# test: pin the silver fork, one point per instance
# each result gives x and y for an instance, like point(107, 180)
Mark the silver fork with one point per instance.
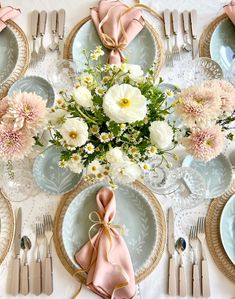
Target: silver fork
point(167, 26)
point(34, 27)
point(48, 226)
point(205, 275)
point(42, 27)
point(175, 21)
point(193, 241)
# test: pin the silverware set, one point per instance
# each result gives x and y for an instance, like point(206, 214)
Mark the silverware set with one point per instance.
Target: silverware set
point(40, 277)
point(172, 32)
point(200, 276)
point(38, 29)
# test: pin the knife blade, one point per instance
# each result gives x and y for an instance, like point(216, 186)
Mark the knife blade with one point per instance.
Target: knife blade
point(15, 277)
point(171, 249)
point(193, 17)
point(61, 23)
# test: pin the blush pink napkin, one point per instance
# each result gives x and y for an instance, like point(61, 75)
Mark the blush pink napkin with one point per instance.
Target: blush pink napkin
point(111, 12)
point(103, 275)
point(7, 13)
point(229, 9)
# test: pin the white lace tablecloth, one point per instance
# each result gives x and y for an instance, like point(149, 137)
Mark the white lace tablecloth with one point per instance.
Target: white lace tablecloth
point(40, 203)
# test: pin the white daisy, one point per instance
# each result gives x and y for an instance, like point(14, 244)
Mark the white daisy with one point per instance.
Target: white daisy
point(94, 56)
point(76, 157)
point(99, 91)
point(104, 137)
point(62, 163)
point(94, 129)
point(100, 176)
point(145, 166)
point(86, 79)
point(169, 93)
point(99, 51)
point(94, 167)
point(152, 151)
point(89, 148)
point(74, 132)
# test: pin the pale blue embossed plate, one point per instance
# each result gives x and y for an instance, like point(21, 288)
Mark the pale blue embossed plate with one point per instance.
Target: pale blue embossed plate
point(35, 84)
point(8, 53)
point(135, 213)
point(222, 45)
point(52, 178)
point(141, 50)
point(217, 174)
point(227, 228)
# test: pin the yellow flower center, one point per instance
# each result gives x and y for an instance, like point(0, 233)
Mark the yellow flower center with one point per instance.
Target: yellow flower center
point(209, 142)
point(199, 101)
point(76, 158)
point(73, 134)
point(125, 103)
point(27, 109)
point(145, 166)
point(90, 148)
point(94, 168)
point(169, 93)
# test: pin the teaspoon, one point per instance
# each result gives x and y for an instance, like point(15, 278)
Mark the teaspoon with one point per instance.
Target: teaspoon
point(180, 246)
point(24, 273)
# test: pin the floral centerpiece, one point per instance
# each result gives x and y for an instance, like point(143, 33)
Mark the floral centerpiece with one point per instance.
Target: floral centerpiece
point(112, 122)
point(207, 112)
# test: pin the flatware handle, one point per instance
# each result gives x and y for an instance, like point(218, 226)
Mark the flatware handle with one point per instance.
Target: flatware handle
point(24, 280)
point(196, 282)
point(175, 20)
point(205, 280)
point(37, 278)
point(54, 21)
point(34, 24)
point(182, 282)
point(48, 276)
point(172, 278)
point(61, 18)
point(167, 22)
point(15, 277)
point(42, 22)
point(194, 22)
point(186, 21)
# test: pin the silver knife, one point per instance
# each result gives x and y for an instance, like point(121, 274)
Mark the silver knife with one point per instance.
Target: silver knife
point(171, 249)
point(61, 23)
point(193, 16)
point(15, 277)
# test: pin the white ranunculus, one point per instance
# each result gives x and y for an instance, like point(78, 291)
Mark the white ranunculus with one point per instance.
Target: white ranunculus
point(74, 132)
point(161, 134)
point(125, 172)
point(83, 97)
point(114, 155)
point(124, 104)
point(75, 166)
point(57, 117)
point(135, 72)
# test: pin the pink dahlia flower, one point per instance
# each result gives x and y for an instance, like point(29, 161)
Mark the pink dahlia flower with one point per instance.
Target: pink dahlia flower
point(14, 145)
point(226, 92)
point(27, 110)
point(205, 144)
point(3, 107)
point(197, 105)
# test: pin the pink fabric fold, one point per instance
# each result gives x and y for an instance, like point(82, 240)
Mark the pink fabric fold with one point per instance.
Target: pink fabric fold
point(7, 13)
point(229, 9)
point(105, 264)
point(108, 18)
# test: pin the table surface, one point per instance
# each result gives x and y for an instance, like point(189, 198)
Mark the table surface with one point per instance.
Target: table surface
point(154, 286)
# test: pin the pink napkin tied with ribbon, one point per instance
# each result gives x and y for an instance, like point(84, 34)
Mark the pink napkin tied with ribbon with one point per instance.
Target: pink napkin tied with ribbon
point(7, 13)
point(105, 257)
point(229, 9)
point(117, 25)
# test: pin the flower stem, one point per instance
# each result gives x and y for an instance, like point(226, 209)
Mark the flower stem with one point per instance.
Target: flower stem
point(86, 117)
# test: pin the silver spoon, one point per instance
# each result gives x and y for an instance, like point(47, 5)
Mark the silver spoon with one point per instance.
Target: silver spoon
point(180, 246)
point(187, 45)
point(24, 272)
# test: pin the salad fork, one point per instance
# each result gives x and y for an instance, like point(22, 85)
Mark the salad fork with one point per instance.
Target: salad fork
point(205, 276)
point(34, 25)
point(48, 226)
point(193, 241)
point(42, 27)
point(167, 22)
point(175, 48)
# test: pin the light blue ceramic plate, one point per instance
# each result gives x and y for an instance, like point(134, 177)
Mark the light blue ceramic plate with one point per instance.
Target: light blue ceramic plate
point(222, 45)
point(227, 228)
point(34, 84)
point(52, 178)
point(8, 53)
point(217, 174)
point(140, 51)
point(134, 212)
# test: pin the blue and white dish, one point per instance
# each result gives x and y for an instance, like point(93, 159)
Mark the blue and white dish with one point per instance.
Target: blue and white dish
point(34, 84)
point(222, 44)
point(52, 178)
point(217, 174)
point(227, 228)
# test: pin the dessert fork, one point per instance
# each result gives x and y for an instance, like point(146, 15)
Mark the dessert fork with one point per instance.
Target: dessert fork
point(205, 277)
point(34, 54)
point(48, 226)
point(193, 241)
point(167, 26)
point(175, 48)
point(42, 27)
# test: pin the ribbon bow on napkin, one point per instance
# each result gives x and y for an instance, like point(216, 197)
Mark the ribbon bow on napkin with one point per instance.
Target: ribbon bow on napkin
point(229, 9)
point(7, 13)
point(105, 257)
point(117, 26)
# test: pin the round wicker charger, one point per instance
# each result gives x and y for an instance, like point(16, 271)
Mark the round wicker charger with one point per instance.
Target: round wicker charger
point(159, 56)
point(205, 39)
point(213, 234)
point(160, 223)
